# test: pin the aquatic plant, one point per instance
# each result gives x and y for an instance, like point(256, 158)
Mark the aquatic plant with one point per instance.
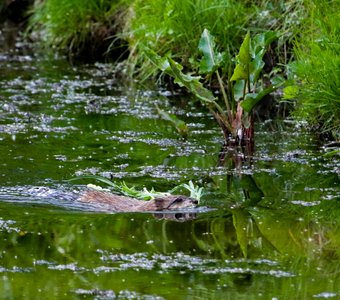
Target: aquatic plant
point(242, 91)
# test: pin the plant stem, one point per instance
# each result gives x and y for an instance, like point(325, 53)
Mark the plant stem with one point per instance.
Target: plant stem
point(225, 97)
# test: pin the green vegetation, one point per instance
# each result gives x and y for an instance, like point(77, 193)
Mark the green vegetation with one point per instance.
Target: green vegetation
point(121, 188)
point(175, 27)
point(83, 28)
point(317, 69)
point(307, 34)
point(240, 98)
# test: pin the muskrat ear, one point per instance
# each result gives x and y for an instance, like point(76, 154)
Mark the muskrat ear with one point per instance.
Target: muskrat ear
point(178, 199)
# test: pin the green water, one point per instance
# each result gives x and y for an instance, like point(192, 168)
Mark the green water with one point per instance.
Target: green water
point(274, 233)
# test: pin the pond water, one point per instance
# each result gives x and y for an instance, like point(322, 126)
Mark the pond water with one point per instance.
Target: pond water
point(274, 232)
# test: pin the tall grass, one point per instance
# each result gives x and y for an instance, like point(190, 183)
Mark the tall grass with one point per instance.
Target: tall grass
point(77, 26)
point(317, 68)
point(175, 27)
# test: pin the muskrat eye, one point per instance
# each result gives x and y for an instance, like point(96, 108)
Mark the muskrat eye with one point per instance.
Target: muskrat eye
point(195, 201)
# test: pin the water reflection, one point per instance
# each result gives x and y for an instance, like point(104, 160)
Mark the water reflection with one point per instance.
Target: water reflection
point(219, 251)
point(274, 232)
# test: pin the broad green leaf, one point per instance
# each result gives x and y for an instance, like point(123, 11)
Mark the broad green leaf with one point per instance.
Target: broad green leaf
point(192, 83)
point(258, 48)
point(239, 90)
point(211, 59)
point(251, 99)
point(244, 54)
point(257, 66)
point(174, 69)
point(261, 41)
point(241, 70)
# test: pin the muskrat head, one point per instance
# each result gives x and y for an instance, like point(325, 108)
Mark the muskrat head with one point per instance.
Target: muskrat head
point(174, 202)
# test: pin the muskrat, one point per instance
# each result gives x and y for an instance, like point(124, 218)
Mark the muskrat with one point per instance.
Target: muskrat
point(114, 202)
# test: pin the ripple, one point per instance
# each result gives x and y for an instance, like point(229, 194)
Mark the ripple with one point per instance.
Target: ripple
point(187, 263)
point(110, 294)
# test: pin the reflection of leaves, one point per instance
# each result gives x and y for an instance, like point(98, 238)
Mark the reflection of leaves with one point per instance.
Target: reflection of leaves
point(253, 194)
point(180, 125)
point(242, 223)
point(248, 232)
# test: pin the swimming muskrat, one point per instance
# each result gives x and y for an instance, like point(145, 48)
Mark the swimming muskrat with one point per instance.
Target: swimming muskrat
point(117, 203)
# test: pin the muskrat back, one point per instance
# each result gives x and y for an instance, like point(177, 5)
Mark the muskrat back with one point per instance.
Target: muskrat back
point(122, 203)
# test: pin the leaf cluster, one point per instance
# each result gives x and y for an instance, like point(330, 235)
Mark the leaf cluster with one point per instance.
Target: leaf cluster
point(241, 92)
point(122, 188)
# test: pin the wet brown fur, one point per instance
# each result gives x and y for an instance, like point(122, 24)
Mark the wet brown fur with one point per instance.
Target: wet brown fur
point(114, 202)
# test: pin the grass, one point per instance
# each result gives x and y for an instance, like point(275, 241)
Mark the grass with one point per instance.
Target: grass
point(174, 28)
point(317, 69)
point(75, 26)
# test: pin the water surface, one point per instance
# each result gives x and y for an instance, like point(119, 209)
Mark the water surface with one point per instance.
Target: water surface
point(273, 235)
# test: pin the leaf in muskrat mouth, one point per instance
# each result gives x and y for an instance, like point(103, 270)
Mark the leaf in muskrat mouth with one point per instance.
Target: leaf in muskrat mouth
point(121, 188)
